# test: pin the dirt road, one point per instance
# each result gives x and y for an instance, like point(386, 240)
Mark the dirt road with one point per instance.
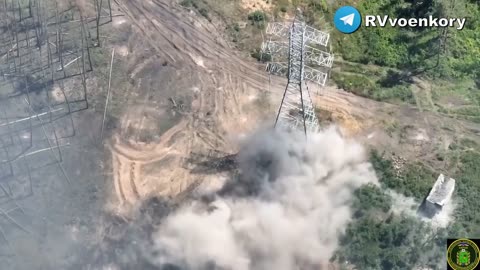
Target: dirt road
point(221, 89)
point(222, 94)
point(179, 93)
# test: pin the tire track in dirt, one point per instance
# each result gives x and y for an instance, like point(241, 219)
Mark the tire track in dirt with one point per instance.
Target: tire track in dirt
point(225, 84)
point(184, 38)
point(222, 78)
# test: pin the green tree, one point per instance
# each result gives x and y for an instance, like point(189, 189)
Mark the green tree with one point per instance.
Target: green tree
point(371, 198)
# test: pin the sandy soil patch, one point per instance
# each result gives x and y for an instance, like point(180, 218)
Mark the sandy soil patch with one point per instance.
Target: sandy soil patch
point(257, 5)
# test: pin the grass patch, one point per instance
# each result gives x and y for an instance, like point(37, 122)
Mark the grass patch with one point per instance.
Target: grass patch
point(404, 242)
point(468, 193)
point(414, 180)
point(356, 83)
point(378, 239)
point(365, 86)
point(389, 244)
point(370, 199)
point(260, 56)
point(464, 157)
point(372, 71)
point(189, 3)
point(396, 93)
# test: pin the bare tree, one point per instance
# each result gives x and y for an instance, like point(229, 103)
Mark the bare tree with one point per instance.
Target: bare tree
point(84, 79)
point(59, 40)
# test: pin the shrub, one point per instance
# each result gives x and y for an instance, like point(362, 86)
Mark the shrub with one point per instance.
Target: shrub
point(357, 84)
point(260, 56)
point(204, 13)
point(415, 179)
point(371, 198)
point(399, 92)
point(257, 16)
point(236, 27)
point(188, 3)
point(384, 245)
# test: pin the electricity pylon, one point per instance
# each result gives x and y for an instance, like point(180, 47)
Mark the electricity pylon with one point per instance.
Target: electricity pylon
point(298, 52)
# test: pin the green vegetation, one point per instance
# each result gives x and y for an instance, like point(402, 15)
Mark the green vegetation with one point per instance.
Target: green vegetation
point(189, 3)
point(414, 180)
point(364, 86)
point(433, 53)
point(386, 64)
point(355, 83)
point(380, 63)
point(204, 13)
point(258, 18)
point(379, 239)
point(464, 159)
point(468, 193)
point(198, 5)
point(262, 57)
point(370, 199)
point(446, 53)
point(395, 243)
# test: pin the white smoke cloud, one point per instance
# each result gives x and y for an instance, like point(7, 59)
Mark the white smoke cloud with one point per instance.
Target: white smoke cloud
point(409, 206)
point(287, 209)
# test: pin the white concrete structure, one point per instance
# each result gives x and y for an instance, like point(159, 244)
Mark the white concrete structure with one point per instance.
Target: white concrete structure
point(440, 194)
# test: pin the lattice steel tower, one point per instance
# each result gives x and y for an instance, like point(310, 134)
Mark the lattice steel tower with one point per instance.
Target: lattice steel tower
point(299, 52)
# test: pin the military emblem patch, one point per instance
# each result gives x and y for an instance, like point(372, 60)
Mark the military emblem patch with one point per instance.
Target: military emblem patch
point(463, 254)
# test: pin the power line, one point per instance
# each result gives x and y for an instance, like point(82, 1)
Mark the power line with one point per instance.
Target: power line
point(298, 52)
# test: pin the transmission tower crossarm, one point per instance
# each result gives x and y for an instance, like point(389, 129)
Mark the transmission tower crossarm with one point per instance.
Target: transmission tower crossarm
point(292, 59)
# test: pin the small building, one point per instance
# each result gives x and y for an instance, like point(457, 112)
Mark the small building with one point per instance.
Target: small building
point(440, 195)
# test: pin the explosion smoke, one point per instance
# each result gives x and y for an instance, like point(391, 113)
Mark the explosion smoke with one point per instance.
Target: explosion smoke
point(285, 212)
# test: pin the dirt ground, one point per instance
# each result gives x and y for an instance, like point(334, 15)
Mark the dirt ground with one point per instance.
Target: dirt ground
point(214, 92)
point(401, 130)
point(224, 96)
point(180, 96)
point(253, 5)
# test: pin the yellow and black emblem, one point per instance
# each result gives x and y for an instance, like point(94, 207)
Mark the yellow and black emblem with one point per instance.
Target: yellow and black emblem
point(463, 254)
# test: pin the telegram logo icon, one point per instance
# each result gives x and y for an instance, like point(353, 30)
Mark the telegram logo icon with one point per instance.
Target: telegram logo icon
point(347, 19)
